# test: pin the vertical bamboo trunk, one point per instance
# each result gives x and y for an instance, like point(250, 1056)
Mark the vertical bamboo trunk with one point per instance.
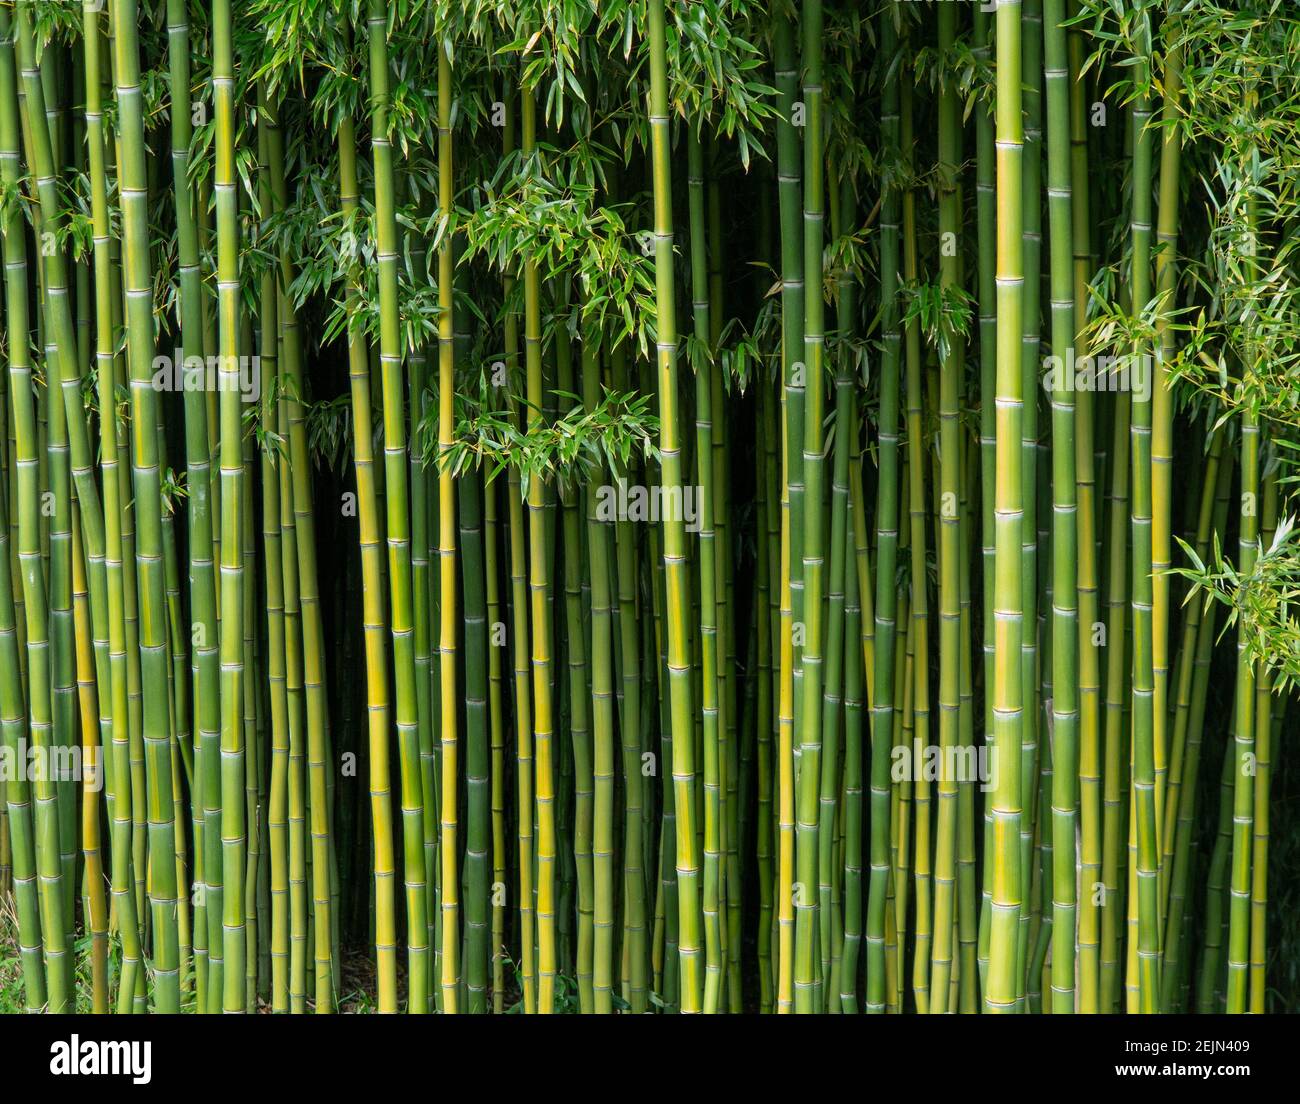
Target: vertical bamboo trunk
point(27, 823)
point(1008, 897)
point(398, 517)
point(793, 374)
point(1162, 431)
point(539, 607)
point(46, 965)
point(448, 610)
point(951, 371)
point(1064, 732)
point(808, 982)
point(133, 189)
point(886, 598)
point(1086, 518)
point(1243, 751)
point(708, 618)
point(674, 536)
point(373, 615)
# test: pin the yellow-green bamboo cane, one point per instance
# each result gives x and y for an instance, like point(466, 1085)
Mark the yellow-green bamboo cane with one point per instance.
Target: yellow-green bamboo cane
point(51, 982)
point(373, 614)
point(133, 189)
point(447, 606)
point(1065, 612)
point(398, 520)
point(539, 606)
point(674, 546)
point(1008, 896)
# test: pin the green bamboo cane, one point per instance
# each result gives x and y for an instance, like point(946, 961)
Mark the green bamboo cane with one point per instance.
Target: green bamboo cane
point(708, 624)
point(1086, 516)
point(1144, 740)
point(18, 790)
point(735, 759)
point(1031, 230)
point(580, 708)
point(793, 317)
point(47, 144)
point(496, 722)
point(1008, 898)
point(276, 664)
point(6, 845)
point(277, 812)
point(122, 547)
point(866, 575)
point(58, 966)
point(920, 606)
point(178, 649)
point(808, 980)
point(667, 961)
point(95, 906)
point(967, 999)
point(373, 612)
point(1243, 746)
point(254, 737)
point(1209, 991)
point(233, 827)
point(901, 833)
point(398, 520)
point(203, 634)
point(840, 650)
point(674, 546)
point(886, 597)
point(1162, 425)
point(120, 776)
point(477, 839)
point(56, 502)
point(1114, 702)
point(15, 575)
point(539, 606)
point(1200, 506)
point(1119, 824)
point(424, 599)
point(299, 921)
point(629, 672)
point(635, 791)
point(95, 559)
point(858, 661)
point(599, 569)
point(1258, 990)
point(1193, 681)
point(203, 212)
point(131, 606)
point(309, 596)
point(792, 368)
point(524, 752)
point(1065, 541)
point(450, 915)
point(986, 237)
point(766, 615)
point(951, 371)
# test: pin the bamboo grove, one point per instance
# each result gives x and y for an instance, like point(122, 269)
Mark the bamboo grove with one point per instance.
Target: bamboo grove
point(644, 506)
